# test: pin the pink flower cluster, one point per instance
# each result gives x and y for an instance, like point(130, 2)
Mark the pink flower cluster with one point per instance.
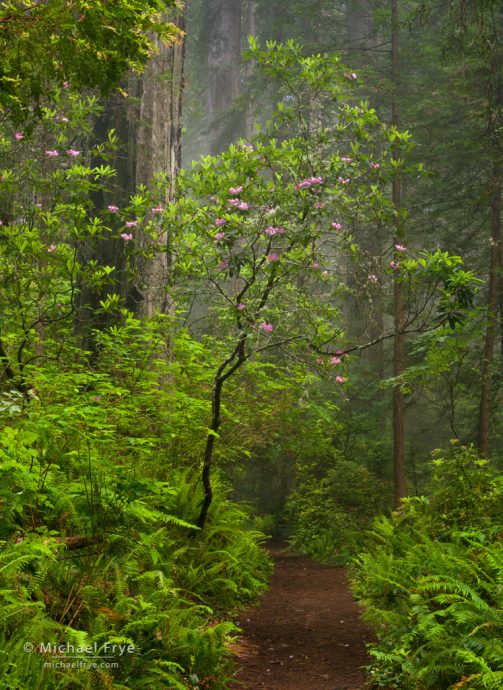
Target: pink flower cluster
point(274, 231)
point(236, 190)
point(343, 180)
point(112, 208)
point(400, 248)
point(273, 256)
point(219, 222)
point(267, 327)
point(127, 237)
point(395, 265)
point(219, 236)
point(52, 248)
point(240, 205)
point(52, 153)
point(158, 209)
point(309, 182)
point(131, 223)
point(336, 225)
point(346, 159)
point(375, 166)
point(351, 76)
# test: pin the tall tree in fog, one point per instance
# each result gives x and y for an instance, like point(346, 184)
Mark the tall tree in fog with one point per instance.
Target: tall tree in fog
point(399, 315)
point(157, 143)
point(224, 71)
point(146, 117)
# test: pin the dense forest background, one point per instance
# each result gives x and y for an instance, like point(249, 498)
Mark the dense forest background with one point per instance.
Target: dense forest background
point(251, 281)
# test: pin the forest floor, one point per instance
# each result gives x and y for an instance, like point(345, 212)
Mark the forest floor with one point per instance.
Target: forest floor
point(306, 634)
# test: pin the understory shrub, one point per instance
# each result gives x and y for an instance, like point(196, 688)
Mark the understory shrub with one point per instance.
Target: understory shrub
point(330, 508)
point(99, 491)
point(431, 583)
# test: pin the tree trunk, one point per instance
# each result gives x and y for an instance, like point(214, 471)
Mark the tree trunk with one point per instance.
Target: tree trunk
point(251, 30)
point(492, 313)
point(398, 290)
point(158, 150)
point(224, 74)
point(360, 27)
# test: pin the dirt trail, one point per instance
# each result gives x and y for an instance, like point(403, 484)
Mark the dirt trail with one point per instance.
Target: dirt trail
point(306, 634)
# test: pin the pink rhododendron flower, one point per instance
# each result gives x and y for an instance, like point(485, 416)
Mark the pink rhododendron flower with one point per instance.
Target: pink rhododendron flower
point(394, 265)
point(234, 202)
point(343, 180)
point(61, 118)
point(131, 223)
point(112, 208)
point(274, 231)
point(273, 257)
point(52, 248)
point(335, 360)
point(351, 76)
point(127, 237)
point(309, 182)
point(268, 327)
point(375, 166)
point(243, 206)
point(372, 277)
point(236, 190)
point(219, 222)
point(324, 273)
point(315, 264)
point(223, 265)
point(400, 248)
point(319, 204)
point(340, 379)
point(73, 152)
point(52, 153)
point(346, 159)
point(219, 236)
point(241, 306)
point(158, 209)
point(336, 226)
point(18, 136)
point(66, 84)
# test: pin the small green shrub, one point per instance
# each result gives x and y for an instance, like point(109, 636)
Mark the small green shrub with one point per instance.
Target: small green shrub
point(331, 508)
point(430, 583)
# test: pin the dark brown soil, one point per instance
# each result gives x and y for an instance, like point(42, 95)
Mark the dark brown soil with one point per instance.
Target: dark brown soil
point(306, 634)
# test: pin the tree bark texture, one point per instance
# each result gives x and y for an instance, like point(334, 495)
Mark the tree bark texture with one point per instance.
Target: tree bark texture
point(224, 73)
point(158, 150)
point(398, 290)
point(492, 314)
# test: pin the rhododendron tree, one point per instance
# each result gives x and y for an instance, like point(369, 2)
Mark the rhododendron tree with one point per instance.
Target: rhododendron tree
point(275, 279)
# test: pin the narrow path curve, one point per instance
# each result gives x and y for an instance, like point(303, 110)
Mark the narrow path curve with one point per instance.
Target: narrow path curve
point(306, 634)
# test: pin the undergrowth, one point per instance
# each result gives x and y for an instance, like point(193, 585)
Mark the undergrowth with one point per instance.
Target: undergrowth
point(430, 581)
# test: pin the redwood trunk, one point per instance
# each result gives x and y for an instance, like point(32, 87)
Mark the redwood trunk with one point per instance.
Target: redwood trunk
point(398, 291)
